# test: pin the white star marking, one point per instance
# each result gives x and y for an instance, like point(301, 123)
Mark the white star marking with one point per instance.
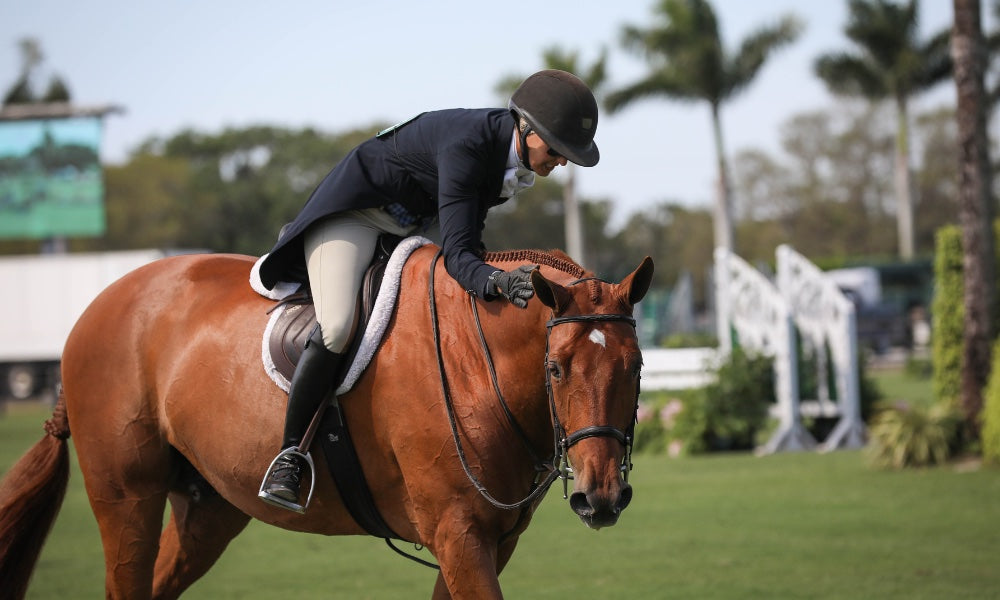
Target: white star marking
point(598, 338)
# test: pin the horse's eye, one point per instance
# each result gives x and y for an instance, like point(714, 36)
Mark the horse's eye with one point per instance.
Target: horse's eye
point(554, 370)
point(635, 368)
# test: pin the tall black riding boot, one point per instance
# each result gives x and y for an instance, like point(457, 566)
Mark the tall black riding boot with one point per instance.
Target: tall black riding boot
point(314, 375)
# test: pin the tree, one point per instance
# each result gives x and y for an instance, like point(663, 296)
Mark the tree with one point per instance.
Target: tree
point(594, 76)
point(22, 91)
point(824, 195)
point(688, 62)
point(829, 192)
point(975, 207)
point(227, 192)
point(889, 61)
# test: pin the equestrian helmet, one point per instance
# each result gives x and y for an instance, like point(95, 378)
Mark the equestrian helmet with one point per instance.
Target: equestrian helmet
point(562, 110)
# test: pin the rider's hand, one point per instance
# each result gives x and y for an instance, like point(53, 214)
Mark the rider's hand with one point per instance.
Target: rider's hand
point(515, 285)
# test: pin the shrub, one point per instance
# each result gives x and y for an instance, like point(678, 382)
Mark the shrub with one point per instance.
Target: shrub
point(907, 436)
point(727, 414)
point(991, 412)
point(650, 436)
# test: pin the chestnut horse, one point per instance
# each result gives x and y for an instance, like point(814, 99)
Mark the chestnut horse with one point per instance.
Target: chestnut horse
point(163, 373)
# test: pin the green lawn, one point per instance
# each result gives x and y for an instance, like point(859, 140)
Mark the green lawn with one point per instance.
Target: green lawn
point(897, 384)
point(725, 526)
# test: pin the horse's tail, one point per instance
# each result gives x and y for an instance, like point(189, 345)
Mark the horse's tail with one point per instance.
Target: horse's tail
point(30, 496)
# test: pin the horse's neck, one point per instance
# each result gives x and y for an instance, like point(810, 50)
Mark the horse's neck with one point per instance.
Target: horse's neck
point(515, 339)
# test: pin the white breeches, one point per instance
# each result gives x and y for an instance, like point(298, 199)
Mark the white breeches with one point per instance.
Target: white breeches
point(338, 251)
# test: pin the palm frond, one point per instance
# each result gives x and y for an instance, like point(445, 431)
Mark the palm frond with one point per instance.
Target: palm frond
point(851, 75)
point(657, 84)
point(755, 49)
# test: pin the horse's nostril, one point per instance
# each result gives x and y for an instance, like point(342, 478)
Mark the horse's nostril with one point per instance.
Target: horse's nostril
point(625, 498)
point(579, 503)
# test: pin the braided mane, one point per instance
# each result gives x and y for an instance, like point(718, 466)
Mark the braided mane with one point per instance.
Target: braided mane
point(556, 259)
point(559, 261)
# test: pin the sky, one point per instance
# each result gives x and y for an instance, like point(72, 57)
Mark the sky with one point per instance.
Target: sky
point(337, 65)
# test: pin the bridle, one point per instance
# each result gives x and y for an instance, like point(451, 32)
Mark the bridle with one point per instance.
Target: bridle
point(558, 467)
point(564, 441)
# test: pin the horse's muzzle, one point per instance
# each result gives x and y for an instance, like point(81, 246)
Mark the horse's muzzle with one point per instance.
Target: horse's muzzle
point(598, 510)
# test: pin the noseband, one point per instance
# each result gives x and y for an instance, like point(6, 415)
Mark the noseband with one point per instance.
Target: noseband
point(559, 466)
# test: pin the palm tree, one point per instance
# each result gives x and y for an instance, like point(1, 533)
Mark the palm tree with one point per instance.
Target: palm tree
point(889, 61)
point(688, 62)
point(975, 209)
point(594, 76)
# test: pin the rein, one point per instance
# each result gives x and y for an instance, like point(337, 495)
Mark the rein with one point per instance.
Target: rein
point(538, 489)
point(558, 467)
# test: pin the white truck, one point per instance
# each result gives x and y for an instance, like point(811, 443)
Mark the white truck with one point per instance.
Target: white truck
point(43, 297)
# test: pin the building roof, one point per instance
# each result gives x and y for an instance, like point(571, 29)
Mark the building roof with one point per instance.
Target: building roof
point(54, 110)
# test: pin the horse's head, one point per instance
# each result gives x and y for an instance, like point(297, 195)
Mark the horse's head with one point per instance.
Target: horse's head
point(593, 363)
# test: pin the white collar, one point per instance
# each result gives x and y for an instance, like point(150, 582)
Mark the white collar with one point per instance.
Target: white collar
point(515, 177)
point(513, 160)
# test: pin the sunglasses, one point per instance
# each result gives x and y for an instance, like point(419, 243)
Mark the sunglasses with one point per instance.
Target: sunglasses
point(551, 151)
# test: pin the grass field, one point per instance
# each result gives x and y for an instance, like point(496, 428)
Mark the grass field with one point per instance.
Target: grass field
point(798, 525)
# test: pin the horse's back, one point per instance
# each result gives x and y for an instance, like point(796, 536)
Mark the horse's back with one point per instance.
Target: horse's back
point(141, 301)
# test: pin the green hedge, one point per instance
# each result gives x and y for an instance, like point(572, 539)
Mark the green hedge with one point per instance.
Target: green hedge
point(948, 315)
point(948, 312)
point(991, 412)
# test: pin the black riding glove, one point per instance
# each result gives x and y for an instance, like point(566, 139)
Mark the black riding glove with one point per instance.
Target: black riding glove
point(515, 285)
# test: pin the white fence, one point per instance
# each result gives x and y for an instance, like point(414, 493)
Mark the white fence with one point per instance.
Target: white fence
point(750, 306)
point(678, 368)
point(827, 323)
point(764, 316)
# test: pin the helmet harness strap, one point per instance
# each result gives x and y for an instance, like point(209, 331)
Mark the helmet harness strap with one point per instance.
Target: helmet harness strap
point(525, 130)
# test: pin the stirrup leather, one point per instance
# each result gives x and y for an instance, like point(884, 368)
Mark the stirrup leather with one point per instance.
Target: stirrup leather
point(281, 502)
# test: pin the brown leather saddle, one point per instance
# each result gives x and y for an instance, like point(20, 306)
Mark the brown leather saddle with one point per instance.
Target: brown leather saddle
point(296, 322)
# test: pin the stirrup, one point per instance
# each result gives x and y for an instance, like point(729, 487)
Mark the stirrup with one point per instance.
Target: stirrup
point(281, 502)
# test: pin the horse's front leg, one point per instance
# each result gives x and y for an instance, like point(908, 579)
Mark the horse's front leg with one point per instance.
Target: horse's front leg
point(468, 560)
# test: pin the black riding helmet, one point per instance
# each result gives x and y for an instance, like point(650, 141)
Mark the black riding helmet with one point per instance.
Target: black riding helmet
point(562, 110)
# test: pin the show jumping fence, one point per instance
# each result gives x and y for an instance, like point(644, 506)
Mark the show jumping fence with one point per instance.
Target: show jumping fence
point(771, 318)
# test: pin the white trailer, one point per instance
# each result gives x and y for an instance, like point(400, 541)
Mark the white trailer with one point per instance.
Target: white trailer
point(43, 297)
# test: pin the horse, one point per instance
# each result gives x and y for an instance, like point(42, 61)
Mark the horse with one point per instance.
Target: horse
point(162, 377)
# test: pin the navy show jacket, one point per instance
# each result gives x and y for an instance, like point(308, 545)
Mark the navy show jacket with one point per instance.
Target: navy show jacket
point(447, 164)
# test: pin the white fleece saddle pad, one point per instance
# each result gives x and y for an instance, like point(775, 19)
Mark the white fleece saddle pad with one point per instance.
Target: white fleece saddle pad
point(385, 304)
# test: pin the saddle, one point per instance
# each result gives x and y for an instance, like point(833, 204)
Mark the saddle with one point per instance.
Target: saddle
point(288, 337)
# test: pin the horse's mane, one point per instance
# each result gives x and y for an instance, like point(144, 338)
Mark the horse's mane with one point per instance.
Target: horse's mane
point(556, 259)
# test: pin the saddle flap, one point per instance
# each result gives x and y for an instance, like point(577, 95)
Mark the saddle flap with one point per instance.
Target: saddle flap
point(289, 335)
point(292, 327)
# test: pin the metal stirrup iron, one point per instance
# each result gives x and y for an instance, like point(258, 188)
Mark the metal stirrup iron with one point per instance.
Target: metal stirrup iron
point(302, 451)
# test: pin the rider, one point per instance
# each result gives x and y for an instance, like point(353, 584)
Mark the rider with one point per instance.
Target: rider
point(448, 165)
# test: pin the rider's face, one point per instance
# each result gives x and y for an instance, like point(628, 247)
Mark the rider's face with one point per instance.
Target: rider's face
point(542, 158)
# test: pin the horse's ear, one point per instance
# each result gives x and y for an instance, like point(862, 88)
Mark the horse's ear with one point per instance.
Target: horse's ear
point(551, 294)
point(637, 283)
